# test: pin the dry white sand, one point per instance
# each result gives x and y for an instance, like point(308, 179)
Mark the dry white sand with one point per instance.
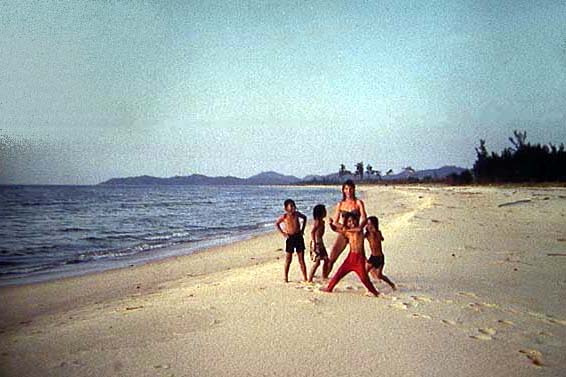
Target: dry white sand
point(481, 275)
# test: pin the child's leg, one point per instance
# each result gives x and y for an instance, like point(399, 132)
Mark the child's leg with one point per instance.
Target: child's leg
point(288, 257)
point(373, 272)
point(325, 265)
point(314, 268)
point(344, 269)
point(301, 256)
point(385, 278)
point(360, 270)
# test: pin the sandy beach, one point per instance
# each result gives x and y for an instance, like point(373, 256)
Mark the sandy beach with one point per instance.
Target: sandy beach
point(481, 277)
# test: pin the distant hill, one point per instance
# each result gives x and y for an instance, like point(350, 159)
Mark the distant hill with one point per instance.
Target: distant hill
point(273, 178)
point(267, 178)
point(439, 173)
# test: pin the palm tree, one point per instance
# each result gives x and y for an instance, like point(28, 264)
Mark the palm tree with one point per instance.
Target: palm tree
point(369, 170)
point(342, 170)
point(378, 174)
point(409, 170)
point(360, 169)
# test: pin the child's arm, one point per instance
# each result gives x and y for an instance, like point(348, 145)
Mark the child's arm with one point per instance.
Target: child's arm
point(315, 227)
point(278, 225)
point(302, 216)
point(339, 228)
point(355, 230)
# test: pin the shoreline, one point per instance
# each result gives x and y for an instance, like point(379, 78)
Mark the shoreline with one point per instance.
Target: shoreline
point(108, 244)
point(161, 254)
point(125, 279)
point(480, 293)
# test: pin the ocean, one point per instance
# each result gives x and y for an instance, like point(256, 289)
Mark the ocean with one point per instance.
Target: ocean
point(47, 232)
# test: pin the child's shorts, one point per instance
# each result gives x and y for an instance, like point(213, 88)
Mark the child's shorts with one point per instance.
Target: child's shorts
point(295, 242)
point(318, 252)
point(376, 261)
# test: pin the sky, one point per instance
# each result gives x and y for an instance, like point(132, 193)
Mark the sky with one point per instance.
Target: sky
point(92, 90)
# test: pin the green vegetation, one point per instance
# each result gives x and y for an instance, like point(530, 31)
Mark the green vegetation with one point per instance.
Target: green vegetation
point(524, 162)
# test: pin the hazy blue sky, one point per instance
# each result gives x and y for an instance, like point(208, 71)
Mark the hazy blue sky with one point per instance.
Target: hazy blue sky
point(91, 90)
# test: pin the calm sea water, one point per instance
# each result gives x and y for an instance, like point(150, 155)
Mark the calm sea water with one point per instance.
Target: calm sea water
point(53, 231)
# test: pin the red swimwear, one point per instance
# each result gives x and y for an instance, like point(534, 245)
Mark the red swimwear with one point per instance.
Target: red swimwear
point(354, 262)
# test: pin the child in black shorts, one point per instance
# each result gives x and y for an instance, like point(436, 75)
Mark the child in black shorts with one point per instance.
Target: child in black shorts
point(318, 250)
point(376, 260)
point(293, 231)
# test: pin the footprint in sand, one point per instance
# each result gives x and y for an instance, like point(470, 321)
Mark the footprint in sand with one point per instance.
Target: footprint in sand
point(481, 337)
point(488, 331)
point(315, 300)
point(557, 321)
point(418, 315)
point(400, 305)
point(505, 322)
point(482, 305)
point(534, 356)
point(547, 319)
point(448, 322)
point(468, 294)
point(484, 334)
point(421, 298)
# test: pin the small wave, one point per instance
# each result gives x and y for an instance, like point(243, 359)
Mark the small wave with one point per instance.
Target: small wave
point(167, 236)
point(94, 239)
point(93, 255)
point(22, 270)
point(73, 229)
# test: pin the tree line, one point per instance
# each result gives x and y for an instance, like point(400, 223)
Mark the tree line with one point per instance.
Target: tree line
point(369, 171)
point(523, 162)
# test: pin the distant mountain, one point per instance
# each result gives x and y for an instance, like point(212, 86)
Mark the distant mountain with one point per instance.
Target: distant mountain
point(439, 173)
point(267, 178)
point(273, 178)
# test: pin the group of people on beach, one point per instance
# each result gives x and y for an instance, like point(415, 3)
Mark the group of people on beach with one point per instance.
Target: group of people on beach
point(349, 221)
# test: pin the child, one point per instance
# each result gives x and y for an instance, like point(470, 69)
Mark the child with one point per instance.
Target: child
point(377, 260)
point(318, 251)
point(294, 233)
point(356, 259)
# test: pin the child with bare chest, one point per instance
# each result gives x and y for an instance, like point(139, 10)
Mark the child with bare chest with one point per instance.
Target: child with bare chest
point(293, 231)
point(376, 261)
point(356, 259)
